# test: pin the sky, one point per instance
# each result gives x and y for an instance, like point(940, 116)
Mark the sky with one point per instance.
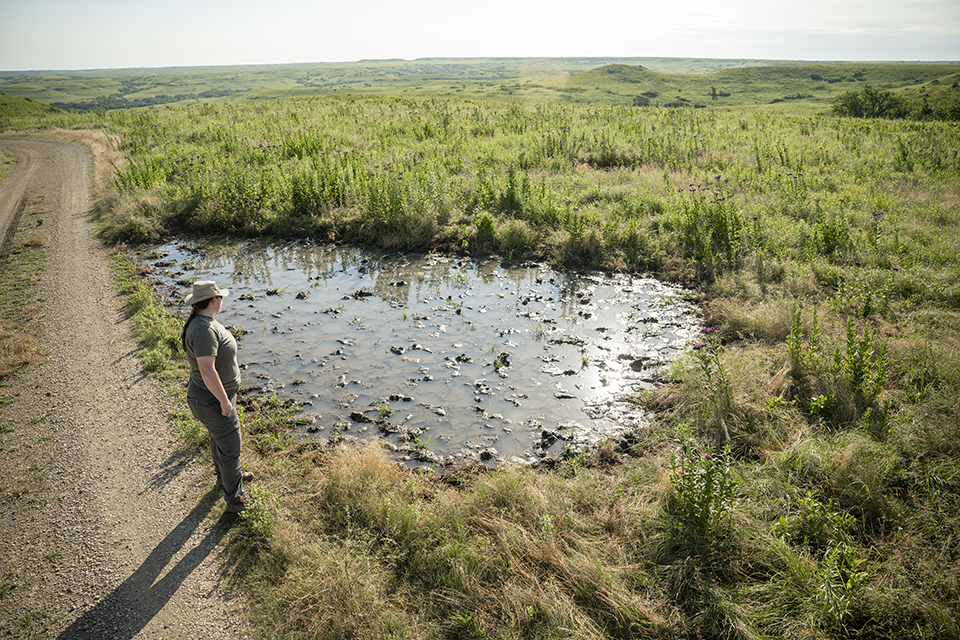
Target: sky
point(114, 34)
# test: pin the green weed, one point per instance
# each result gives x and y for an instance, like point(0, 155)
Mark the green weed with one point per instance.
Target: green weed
point(703, 482)
point(260, 512)
point(191, 431)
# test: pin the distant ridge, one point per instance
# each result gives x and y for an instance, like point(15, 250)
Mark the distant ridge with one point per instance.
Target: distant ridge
point(813, 84)
point(779, 85)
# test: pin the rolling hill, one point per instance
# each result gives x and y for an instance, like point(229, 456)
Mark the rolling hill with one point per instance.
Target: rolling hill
point(758, 84)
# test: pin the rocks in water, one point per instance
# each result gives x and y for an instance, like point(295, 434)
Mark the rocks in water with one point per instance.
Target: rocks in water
point(481, 386)
point(563, 394)
point(440, 411)
point(359, 295)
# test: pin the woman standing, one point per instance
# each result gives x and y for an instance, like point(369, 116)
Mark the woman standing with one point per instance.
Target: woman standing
point(212, 392)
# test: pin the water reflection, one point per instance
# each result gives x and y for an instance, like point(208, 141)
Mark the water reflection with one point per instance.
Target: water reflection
point(443, 357)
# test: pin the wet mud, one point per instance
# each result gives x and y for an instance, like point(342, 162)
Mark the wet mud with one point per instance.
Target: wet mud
point(444, 358)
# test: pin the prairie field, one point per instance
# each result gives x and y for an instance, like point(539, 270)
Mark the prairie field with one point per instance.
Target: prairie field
point(803, 476)
point(780, 86)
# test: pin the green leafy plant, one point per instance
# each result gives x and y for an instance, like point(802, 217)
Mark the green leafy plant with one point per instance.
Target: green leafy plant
point(703, 481)
point(804, 350)
point(191, 431)
point(815, 524)
point(841, 576)
point(260, 512)
point(715, 380)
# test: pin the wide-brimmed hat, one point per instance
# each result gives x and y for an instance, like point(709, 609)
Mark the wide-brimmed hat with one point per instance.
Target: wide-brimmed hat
point(204, 290)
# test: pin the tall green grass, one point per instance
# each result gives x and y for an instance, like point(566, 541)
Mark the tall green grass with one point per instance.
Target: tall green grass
point(707, 190)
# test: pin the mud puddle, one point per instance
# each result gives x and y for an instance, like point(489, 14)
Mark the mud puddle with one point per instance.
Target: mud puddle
point(444, 358)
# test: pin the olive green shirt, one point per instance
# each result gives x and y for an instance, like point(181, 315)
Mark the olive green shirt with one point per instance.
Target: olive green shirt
point(207, 337)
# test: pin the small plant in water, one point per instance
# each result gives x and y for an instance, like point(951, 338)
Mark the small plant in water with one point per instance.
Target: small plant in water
point(540, 330)
point(383, 409)
point(423, 443)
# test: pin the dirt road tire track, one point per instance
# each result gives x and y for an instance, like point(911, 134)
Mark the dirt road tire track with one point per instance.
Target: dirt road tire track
point(106, 529)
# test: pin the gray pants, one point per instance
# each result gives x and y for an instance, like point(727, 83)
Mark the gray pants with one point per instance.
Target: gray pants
point(224, 440)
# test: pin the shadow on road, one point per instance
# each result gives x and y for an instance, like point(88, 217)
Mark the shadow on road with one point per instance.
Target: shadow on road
point(133, 604)
point(170, 469)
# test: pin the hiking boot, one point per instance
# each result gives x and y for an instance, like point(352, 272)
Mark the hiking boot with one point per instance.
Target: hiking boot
point(238, 505)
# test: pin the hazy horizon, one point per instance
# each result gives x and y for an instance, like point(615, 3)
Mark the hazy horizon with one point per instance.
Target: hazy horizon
point(56, 35)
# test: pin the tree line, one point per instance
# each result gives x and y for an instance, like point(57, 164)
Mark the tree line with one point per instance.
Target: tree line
point(942, 103)
point(119, 101)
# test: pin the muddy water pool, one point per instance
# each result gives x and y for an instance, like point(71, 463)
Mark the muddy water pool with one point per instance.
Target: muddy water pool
point(444, 358)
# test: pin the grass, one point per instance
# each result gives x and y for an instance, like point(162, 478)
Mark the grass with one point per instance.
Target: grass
point(800, 479)
point(21, 107)
point(158, 328)
point(20, 309)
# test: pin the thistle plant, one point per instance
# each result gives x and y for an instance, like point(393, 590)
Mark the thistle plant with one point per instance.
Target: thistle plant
point(713, 375)
point(703, 481)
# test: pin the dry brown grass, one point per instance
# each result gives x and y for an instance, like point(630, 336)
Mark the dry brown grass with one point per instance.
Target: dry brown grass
point(37, 239)
point(766, 321)
point(18, 349)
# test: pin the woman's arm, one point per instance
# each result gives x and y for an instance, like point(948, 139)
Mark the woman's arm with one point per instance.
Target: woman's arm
point(208, 372)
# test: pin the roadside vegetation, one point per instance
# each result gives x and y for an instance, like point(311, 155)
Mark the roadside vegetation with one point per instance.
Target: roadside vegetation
point(23, 262)
point(803, 479)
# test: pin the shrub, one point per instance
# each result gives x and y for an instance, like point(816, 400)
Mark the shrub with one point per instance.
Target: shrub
point(868, 102)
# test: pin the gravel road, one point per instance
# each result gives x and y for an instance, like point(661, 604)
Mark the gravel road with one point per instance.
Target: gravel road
point(106, 529)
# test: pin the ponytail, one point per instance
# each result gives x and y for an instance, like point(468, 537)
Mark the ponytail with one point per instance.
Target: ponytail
point(193, 314)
